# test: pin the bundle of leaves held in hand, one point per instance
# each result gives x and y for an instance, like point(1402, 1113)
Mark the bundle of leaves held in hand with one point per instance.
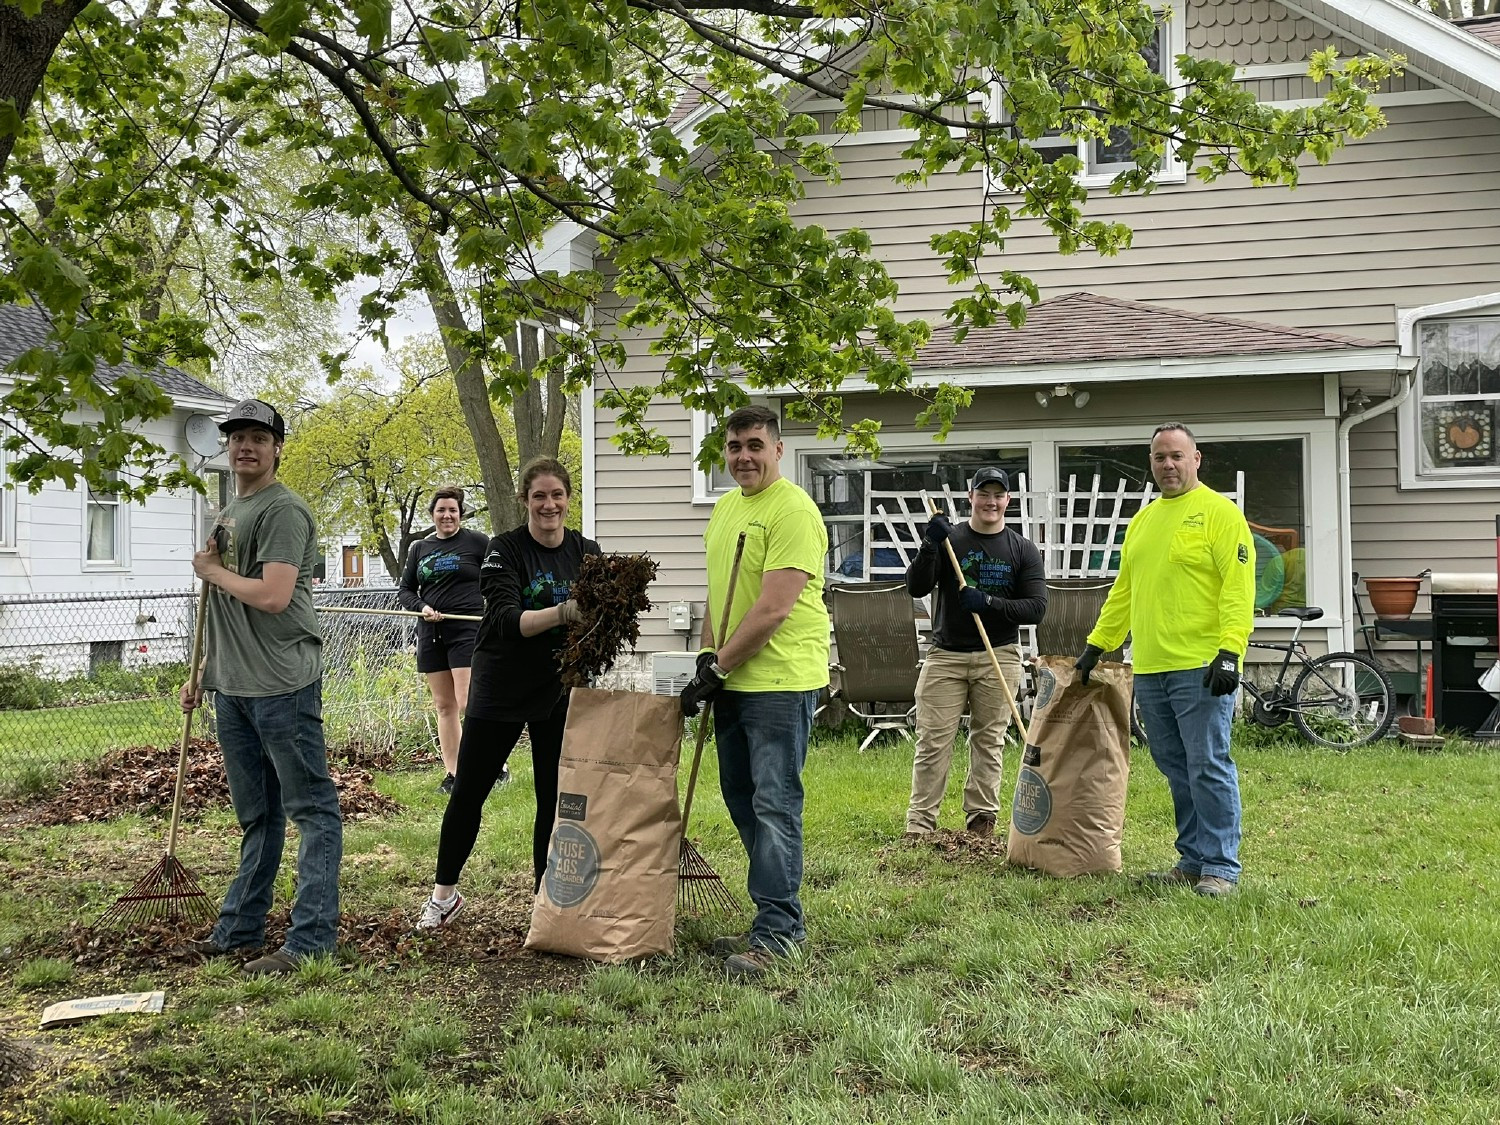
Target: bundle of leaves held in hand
point(611, 592)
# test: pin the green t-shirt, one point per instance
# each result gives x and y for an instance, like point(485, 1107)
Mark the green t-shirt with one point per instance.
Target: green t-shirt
point(251, 652)
point(784, 531)
point(1187, 584)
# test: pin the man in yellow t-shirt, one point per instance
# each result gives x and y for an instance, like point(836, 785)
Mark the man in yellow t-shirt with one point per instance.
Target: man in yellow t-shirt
point(763, 677)
point(1186, 595)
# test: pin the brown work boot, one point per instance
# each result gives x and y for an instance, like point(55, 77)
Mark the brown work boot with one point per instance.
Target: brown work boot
point(730, 944)
point(981, 824)
point(1213, 886)
point(751, 964)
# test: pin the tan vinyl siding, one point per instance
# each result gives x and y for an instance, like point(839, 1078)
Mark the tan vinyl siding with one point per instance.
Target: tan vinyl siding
point(1302, 88)
point(1394, 220)
point(1398, 533)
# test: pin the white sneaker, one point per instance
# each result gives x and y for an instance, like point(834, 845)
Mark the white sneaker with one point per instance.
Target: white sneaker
point(435, 913)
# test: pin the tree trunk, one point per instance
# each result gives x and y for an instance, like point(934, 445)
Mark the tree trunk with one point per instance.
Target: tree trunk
point(27, 44)
point(473, 388)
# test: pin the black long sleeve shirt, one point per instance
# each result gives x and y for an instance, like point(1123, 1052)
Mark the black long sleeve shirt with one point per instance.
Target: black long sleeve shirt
point(1005, 566)
point(515, 678)
point(444, 573)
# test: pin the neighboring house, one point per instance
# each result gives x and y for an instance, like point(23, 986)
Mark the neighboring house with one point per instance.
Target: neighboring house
point(347, 563)
point(1338, 343)
point(60, 542)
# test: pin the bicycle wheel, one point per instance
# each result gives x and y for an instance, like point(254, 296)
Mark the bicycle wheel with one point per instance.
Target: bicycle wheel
point(1343, 700)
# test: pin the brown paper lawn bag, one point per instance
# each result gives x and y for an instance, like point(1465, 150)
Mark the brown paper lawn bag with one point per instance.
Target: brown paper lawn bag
point(1068, 815)
point(610, 891)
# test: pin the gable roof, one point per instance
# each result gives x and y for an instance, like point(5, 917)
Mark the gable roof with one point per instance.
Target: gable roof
point(23, 327)
point(1435, 49)
point(1087, 328)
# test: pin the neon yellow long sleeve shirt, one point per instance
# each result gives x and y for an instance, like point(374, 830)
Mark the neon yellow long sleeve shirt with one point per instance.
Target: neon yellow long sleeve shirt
point(1187, 584)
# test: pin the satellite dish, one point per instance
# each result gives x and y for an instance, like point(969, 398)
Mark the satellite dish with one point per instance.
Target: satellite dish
point(202, 434)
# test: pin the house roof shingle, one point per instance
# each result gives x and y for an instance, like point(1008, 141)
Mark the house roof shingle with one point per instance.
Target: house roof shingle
point(23, 328)
point(1085, 327)
point(1484, 27)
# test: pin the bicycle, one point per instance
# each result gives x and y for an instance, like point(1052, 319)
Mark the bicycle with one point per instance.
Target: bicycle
point(1340, 700)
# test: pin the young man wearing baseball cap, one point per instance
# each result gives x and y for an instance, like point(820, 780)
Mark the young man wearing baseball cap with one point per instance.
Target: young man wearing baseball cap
point(263, 657)
point(1006, 588)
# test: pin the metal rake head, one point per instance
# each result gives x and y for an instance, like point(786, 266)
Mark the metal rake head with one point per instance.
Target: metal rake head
point(700, 891)
point(168, 892)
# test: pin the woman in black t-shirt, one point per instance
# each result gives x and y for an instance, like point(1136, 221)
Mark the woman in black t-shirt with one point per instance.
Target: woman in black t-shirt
point(441, 576)
point(526, 577)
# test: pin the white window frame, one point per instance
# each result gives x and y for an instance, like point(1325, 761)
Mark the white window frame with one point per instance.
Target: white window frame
point(121, 561)
point(201, 503)
point(704, 492)
point(1409, 414)
point(1319, 435)
point(1173, 170)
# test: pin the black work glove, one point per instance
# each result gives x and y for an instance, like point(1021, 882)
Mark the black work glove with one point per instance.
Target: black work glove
point(706, 657)
point(1086, 661)
point(1223, 674)
point(937, 530)
point(973, 600)
point(703, 687)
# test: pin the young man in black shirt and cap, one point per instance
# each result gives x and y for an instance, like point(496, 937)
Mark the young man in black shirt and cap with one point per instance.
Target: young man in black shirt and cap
point(1006, 588)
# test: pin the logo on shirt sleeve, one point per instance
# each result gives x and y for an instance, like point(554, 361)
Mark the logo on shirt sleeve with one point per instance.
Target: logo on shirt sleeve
point(1244, 554)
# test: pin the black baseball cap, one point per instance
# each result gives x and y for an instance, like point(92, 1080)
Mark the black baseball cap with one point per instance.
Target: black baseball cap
point(990, 476)
point(253, 412)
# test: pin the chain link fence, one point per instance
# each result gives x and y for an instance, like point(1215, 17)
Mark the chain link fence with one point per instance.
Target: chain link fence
point(81, 675)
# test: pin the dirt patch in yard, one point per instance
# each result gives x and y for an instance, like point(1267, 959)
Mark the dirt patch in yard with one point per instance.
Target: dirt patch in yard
point(140, 780)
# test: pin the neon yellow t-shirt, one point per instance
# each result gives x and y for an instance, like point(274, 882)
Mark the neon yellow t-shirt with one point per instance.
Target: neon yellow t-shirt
point(1187, 584)
point(784, 531)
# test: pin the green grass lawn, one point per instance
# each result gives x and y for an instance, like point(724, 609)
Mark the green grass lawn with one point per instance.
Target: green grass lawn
point(1353, 979)
point(34, 743)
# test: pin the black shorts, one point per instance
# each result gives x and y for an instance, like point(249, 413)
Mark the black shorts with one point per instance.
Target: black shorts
point(444, 645)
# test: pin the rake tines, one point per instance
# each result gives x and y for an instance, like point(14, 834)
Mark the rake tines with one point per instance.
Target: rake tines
point(166, 893)
point(700, 891)
point(699, 888)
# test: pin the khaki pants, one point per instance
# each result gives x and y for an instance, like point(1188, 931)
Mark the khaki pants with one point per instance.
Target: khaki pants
point(950, 683)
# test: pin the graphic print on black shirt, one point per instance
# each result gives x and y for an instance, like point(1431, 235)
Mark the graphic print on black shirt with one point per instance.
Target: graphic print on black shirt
point(1005, 565)
point(516, 678)
point(444, 573)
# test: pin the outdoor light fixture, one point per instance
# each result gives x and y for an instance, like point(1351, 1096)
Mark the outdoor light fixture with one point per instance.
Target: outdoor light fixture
point(1063, 390)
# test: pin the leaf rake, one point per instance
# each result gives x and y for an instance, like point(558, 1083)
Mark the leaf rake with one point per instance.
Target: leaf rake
point(168, 892)
point(699, 889)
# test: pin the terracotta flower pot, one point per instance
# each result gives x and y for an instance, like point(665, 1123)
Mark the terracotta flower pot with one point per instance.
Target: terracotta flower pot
point(1393, 597)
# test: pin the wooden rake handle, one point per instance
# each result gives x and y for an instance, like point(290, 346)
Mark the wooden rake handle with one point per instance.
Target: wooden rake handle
point(392, 612)
point(194, 671)
point(984, 636)
point(705, 722)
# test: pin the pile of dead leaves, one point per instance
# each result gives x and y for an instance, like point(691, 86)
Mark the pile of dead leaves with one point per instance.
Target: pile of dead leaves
point(140, 780)
point(611, 592)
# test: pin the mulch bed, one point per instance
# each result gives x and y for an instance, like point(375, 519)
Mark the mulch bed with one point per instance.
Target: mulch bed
point(140, 780)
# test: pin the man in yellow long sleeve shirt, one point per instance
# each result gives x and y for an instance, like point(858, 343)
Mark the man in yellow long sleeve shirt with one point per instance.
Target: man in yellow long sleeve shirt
point(1186, 594)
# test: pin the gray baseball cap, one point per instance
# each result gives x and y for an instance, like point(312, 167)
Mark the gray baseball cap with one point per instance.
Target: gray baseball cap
point(253, 412)
point(990, 476)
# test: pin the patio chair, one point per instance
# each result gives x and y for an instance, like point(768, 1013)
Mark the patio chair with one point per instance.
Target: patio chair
point(1073, 606)
point(875, 673)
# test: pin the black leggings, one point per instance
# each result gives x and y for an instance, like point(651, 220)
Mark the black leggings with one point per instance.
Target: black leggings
point(482, 753)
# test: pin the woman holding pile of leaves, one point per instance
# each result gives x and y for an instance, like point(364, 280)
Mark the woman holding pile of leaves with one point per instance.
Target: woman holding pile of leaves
point(515, 685)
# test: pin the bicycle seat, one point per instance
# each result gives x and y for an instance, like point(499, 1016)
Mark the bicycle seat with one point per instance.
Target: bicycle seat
point(1301, 612)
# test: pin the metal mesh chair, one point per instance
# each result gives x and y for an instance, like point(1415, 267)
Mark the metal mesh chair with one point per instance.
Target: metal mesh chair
point(875, 635)
point(1073, 606)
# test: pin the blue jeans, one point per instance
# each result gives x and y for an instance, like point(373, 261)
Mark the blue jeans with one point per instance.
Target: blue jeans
point(277, 768)
point(762, 743)
point(1189, 734)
